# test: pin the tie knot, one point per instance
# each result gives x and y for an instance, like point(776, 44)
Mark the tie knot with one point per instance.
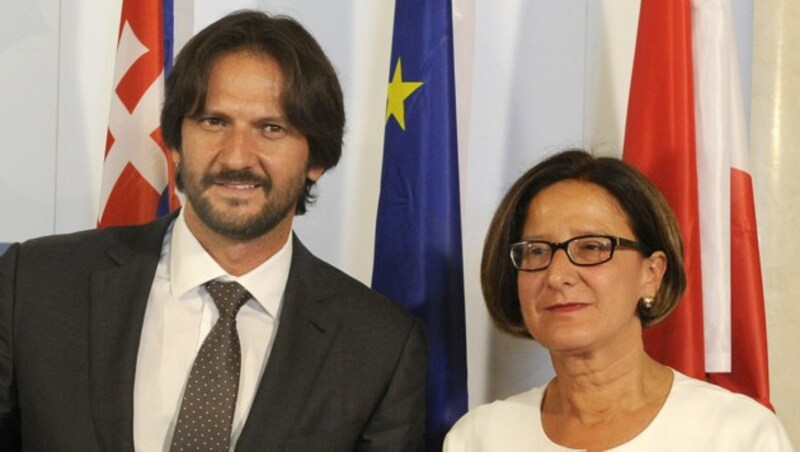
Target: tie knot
point(228, 296)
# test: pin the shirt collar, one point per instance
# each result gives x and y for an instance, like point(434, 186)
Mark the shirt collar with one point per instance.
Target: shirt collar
point(190, 266)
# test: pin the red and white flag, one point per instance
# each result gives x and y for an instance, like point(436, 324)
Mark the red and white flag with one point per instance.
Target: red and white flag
point(138, 177)
point(737, 347)
point(685, 130)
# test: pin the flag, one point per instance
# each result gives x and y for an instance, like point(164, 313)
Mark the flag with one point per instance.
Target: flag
point(660, 142)
point(418, 255)
point(685, 130)
point(744, 364)
point(138, 177)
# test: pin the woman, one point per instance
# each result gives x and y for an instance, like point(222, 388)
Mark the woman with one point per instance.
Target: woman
point(596, 256)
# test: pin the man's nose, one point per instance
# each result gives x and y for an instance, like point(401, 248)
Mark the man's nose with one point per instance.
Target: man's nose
point(238, 148)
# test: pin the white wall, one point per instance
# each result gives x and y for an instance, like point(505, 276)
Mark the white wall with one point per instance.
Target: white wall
point(29, 58)
point(534, 76)
point(775, 140)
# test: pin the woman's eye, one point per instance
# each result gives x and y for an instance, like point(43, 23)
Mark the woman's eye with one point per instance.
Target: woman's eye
point(594, 245)
point(537, 250)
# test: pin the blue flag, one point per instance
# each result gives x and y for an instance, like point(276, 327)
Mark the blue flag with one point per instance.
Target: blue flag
point(168, 15)
point(418, 260)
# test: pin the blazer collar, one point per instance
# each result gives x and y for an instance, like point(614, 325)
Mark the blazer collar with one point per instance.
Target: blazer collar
point(306, 331)
point(117, 301)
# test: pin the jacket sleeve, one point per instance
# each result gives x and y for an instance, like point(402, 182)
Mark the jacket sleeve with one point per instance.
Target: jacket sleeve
point(398, 424)
point(9, 408)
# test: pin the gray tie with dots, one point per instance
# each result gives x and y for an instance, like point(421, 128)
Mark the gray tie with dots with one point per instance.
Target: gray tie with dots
point(206, 414)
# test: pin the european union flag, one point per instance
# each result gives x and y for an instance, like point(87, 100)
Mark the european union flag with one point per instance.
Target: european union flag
point(418, 260)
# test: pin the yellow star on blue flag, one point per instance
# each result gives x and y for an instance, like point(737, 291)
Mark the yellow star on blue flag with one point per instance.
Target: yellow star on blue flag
point(418, 249)
point(399, 90)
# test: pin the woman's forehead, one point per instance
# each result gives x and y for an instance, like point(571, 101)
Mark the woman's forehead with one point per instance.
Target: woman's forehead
point(576, 207)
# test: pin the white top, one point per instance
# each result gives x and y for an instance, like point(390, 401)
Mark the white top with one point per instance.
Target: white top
point(180, 313)
point(697, 416)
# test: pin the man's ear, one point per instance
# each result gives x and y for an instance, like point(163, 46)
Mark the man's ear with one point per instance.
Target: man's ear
point(176, 156)
point(315, 173)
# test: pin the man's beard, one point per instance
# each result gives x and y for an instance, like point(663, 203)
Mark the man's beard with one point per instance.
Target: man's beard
point(276, 207)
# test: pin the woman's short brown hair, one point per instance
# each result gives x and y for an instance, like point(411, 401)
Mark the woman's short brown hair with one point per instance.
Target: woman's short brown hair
point(649, 216)
point(312, 97)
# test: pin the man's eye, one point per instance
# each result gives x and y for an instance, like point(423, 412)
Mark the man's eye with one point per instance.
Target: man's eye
point(273, 130)
point(211, 122)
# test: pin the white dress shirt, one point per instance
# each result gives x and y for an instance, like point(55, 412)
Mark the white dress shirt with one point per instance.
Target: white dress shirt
point(179, 315)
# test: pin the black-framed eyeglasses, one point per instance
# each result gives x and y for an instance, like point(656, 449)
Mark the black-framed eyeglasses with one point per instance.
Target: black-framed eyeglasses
point(584, 251)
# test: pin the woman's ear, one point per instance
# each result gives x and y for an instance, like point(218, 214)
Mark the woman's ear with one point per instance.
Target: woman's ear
point(654, 268)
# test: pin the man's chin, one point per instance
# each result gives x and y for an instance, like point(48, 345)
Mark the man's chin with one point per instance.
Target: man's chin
point(241, 224)
point(238, 231)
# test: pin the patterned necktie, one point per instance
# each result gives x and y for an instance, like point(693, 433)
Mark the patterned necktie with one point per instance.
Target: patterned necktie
point(206, 414)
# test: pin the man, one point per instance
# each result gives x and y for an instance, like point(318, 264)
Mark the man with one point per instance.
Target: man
point(105, 335)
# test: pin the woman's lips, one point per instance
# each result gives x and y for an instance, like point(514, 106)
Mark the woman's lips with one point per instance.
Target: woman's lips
point(566, 307)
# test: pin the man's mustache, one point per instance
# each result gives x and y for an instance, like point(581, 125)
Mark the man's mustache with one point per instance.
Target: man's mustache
point(227, 176)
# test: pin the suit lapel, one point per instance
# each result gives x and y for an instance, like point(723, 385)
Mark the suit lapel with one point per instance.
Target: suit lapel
point(305, 333)
point(118, 298)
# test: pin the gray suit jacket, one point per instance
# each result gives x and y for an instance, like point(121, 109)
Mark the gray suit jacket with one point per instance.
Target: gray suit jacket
point(346, 370)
